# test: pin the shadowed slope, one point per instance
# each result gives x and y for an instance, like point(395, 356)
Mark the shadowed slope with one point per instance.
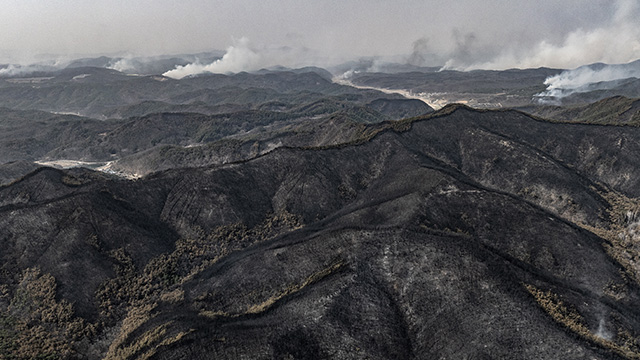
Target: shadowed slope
point(459, 234)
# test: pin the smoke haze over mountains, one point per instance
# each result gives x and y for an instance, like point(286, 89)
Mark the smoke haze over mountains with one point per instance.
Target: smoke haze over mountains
point(587, 78)
point(462, 35)
point(617, 40)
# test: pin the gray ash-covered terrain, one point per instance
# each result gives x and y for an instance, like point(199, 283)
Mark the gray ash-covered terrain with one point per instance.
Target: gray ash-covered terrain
point(459, 234)
point(135, 125)
point(616, 110)
point(106, 93)
point(480, 88)
point(422, 180)
point(507, 88)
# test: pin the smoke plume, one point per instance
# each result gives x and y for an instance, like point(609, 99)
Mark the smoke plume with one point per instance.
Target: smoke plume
point(243, 57)
point(467, 50)
point(585, 79)
point(14, 70)
point(420, 52)
point(124, 65)
point(239, 57)
point(603, 332)
point(616, 41)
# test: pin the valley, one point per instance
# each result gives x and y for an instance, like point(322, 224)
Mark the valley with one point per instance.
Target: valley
point(433, 100)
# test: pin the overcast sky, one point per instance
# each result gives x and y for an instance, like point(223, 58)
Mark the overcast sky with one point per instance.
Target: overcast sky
point(463, 34)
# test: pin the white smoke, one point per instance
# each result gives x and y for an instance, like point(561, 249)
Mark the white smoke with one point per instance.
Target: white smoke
point(346, 71)
point(616, 41)
point(347, 75)
point(242, 56)
point(585, 79)
point(239, 57)
point(14, 70)
point(123, 65)
point(602, 331)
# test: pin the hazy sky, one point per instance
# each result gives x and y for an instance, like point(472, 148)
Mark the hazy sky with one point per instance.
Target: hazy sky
point(462, 33)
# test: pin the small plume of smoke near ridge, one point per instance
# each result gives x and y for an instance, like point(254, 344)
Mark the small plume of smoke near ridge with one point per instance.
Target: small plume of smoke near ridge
point(123, 65)
point(13, 70)
point(602, 331)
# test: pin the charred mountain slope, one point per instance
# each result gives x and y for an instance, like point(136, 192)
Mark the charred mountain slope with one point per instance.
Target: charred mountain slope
point(463, 234)
point(101, 93)
point(617, 110)
point(160, 141)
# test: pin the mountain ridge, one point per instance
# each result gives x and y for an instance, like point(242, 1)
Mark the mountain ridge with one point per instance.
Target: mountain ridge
point(436, 232)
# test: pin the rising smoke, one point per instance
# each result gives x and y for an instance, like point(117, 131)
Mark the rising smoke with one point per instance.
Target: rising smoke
point(153, 65)
point(465, 35)
point(14, 70)
point(420, 53)
point(124, 65)
point(241, 56)
point(616, 41)
point(467, 50)
point(602, 331)
point(585, 79)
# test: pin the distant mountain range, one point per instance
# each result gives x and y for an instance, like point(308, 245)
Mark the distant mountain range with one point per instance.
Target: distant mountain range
point(153, 65)
point(152, 111)
point(104, 93)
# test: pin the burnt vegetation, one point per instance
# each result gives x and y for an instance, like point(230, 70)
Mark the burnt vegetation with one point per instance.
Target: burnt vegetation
point(349, 224)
